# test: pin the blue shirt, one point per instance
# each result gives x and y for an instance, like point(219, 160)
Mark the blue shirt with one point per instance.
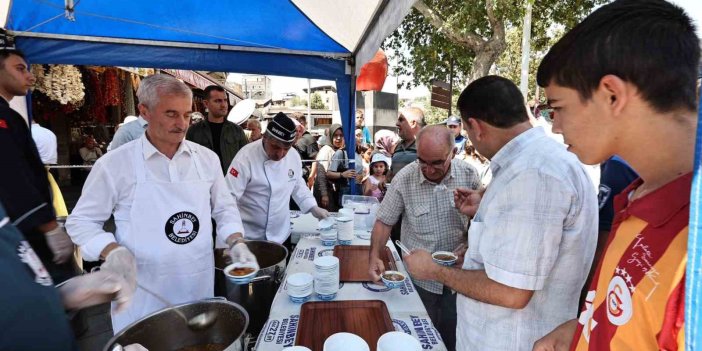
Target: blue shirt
point(367, 138)
point(615, 177)
point(128, 132)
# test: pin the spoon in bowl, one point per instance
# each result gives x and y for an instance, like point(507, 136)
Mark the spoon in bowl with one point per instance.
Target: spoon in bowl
point(402, 247)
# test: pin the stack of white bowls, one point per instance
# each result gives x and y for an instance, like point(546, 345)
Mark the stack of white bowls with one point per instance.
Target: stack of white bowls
point(326, 277)
point(344, 226)
point(327, 231)
point(300, 287)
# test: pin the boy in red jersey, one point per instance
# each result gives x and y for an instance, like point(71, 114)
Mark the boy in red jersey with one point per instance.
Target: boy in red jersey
point(623, 82)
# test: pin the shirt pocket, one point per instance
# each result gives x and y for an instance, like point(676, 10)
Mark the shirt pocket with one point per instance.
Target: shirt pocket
point(419, 218)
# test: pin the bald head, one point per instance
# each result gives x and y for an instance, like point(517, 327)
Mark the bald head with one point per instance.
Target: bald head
point(435, 137)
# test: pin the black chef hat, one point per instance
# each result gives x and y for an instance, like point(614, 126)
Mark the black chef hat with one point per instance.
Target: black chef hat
point(282, 128)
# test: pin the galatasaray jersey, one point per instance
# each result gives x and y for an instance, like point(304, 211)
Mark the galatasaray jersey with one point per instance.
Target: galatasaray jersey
point(636, 298)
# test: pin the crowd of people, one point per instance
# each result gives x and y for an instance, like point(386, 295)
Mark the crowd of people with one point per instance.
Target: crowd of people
point(535, 268)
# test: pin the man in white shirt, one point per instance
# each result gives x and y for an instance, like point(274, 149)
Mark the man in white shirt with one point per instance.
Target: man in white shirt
point(46, 143)
point(163, 192)
point(263, 176)
point(533, 231)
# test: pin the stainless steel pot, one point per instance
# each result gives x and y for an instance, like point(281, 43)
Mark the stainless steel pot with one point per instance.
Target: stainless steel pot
point(257, 296)
point(165, 330)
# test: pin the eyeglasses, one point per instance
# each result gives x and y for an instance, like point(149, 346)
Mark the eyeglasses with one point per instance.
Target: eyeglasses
point(434, 164)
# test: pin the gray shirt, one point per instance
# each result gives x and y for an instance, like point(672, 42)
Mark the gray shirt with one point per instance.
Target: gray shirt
point(429, 219)
point(128, 132)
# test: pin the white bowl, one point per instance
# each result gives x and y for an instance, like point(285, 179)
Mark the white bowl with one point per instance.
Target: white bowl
point(326, 262)
point(239, 279)
point(398, 341)
point(393, 284)
point(444, 262)
point(345, 342)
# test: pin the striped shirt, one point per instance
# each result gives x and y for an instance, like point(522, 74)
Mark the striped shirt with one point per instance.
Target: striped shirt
point(636, 300)
point(429, 219)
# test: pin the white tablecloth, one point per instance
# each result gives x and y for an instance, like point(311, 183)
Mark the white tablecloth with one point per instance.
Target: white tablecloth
point(406, 309)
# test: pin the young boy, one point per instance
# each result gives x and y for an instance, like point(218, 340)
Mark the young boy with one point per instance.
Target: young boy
point(623, 82)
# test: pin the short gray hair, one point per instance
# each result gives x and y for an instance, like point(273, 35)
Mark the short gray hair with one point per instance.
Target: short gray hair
point(152, 87)
point(414, 114)
point(439, 133)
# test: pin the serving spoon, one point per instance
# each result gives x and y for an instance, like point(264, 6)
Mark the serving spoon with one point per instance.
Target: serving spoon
point(201, 321)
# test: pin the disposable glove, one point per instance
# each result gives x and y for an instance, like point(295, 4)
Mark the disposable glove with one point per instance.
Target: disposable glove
point(240, 253)
point(319, 212)
point(90, 289)
point(123, 263)
point(60, 244)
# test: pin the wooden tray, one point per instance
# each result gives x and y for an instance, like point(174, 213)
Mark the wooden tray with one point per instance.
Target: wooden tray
point(368, 319)
point(353, 262)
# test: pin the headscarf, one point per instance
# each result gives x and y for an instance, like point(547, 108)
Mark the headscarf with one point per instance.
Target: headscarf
point(330, 138)
point(384, 140)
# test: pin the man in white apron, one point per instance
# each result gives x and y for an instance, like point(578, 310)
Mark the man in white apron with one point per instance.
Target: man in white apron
point(163, 192)
point(263, 176)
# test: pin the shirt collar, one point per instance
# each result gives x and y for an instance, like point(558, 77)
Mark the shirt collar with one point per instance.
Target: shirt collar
point(149, 149)
point(142, 122)
point(510, 151)
point(659, 206)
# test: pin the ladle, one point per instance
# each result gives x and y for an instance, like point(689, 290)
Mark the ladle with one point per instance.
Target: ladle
point(201, 321)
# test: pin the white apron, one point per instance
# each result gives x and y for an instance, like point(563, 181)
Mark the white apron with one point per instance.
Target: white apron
point(170, 234)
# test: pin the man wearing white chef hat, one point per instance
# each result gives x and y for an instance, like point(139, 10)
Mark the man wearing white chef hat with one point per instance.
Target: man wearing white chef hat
point(263, 176)
point(163, 191)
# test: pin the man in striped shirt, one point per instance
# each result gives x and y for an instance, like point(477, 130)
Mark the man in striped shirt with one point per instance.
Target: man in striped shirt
point(623, 82)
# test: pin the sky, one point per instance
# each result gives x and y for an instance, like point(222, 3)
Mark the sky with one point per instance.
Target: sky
point(283, 85)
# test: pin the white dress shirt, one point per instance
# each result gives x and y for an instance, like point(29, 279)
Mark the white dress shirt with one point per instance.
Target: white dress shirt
point(535, 229)
point(46, 144)
point(110, 189)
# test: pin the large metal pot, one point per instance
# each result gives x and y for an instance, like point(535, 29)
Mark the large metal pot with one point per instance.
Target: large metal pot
point(257, 296)
point(166, 330)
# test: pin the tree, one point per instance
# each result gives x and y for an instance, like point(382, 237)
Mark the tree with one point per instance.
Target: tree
point(316, 102)
point(298, 101)
point(472, 34)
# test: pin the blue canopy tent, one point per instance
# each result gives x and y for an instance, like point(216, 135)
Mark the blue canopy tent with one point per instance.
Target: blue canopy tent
point(319, 39)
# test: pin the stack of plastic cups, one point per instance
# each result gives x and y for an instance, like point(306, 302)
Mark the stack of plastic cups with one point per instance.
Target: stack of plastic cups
point(326, 277)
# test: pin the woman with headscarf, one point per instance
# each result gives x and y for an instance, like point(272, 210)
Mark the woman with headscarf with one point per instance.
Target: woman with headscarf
point(332, 171)
point(385, 142)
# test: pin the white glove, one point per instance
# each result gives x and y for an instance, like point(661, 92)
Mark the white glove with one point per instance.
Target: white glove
point(319, 212)
point(60, 244)
point(123, 263)
point(240, 253)
point(90, 289)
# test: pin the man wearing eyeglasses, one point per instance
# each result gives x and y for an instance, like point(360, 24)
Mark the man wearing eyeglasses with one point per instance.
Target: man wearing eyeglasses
point(532, 233)
point(422, 194)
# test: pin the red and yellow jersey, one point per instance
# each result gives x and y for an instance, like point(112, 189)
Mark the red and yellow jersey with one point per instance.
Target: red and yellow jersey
point(637, 296)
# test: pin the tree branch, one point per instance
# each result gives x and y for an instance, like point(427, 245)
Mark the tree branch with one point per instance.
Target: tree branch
point(470, 41)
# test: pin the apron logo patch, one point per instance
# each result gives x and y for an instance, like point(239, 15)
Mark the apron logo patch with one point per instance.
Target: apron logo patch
point(234, 172)
point(30, 258)
point(182, 227)
point(3, 124)
point(291, 173)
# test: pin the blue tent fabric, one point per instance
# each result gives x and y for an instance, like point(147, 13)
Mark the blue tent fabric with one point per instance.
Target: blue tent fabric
point(251, 23)
point(54, 51)
point(693, 275)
